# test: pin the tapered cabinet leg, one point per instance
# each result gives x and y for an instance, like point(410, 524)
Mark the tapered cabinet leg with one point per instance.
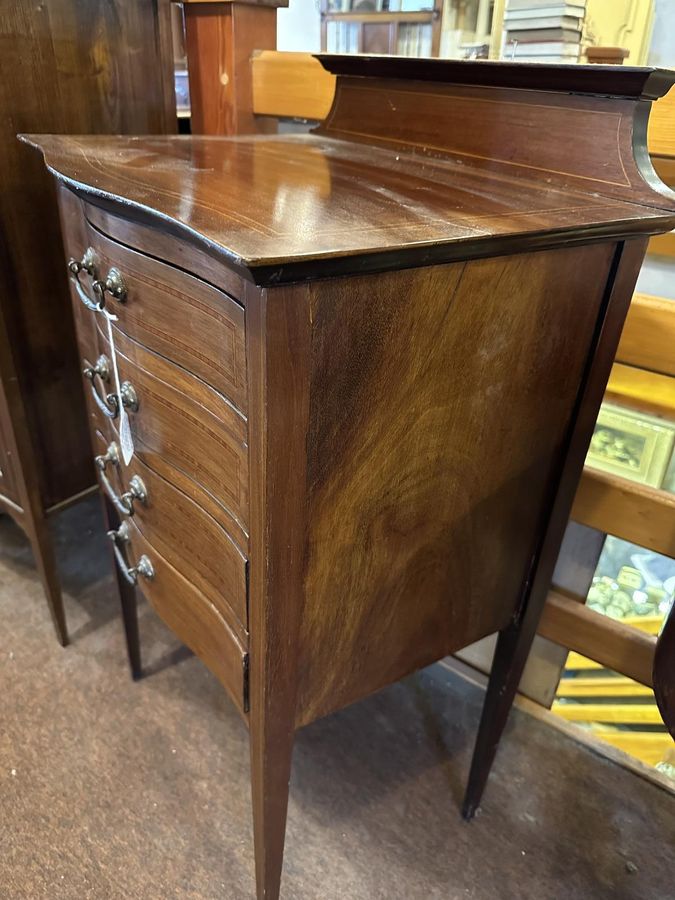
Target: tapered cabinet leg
point(43, 551)
point(271, 752)
point(128, 602)
point(515, 641)
point(513, 647)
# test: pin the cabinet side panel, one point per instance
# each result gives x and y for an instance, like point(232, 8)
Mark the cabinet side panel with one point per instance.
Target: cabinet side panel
point(439, 404)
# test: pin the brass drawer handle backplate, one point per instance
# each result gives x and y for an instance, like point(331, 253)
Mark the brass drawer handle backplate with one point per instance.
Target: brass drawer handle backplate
point(109, 405)
point(136, 492)
point(129, 399)
point(100, 368)
point(143, 567)
point(113, 284)
point(89, 265)
point(111, 455)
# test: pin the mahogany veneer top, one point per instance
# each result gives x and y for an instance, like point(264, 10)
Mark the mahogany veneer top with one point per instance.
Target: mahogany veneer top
point(274, 204)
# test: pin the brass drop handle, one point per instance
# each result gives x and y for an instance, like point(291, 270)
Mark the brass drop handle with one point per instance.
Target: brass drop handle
point(136, 492)
point(113, 284)
point(109, 405)
point(143, 567)
point(100, 368)
point(129, 399)
point(88, 264)
point(111, 455)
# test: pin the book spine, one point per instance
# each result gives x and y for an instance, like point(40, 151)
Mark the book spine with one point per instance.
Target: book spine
point(576, 12)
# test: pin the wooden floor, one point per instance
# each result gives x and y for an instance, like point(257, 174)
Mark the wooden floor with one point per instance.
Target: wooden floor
point(111, 790)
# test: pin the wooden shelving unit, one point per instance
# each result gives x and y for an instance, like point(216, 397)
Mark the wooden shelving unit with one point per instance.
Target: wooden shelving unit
point(382, 31)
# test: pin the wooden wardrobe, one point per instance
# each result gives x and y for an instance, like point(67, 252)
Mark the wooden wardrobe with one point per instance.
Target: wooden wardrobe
point(68, 66)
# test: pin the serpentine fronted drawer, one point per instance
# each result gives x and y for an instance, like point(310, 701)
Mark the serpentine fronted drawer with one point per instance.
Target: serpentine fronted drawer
point(178, 316)
point(183, 499)
point(193, 617)
point(183, 532)
point(183, 426)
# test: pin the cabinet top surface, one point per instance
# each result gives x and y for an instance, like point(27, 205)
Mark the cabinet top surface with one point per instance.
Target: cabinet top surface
point(283, 207)
point(418, 161)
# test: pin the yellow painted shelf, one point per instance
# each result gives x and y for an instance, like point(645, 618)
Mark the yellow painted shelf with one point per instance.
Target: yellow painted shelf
point(602, 687)
point(650, 748)
point(617, 713)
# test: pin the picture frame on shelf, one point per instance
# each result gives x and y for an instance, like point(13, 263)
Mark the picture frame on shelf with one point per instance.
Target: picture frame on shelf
point(631, 444)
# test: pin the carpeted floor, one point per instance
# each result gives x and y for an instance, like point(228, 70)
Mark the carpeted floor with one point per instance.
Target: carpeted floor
point(110, 789)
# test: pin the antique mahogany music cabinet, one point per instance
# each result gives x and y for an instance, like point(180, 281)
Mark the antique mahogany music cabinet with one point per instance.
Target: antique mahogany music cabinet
point(354, 374)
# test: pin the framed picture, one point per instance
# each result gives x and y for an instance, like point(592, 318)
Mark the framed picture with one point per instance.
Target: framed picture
point(631, 444)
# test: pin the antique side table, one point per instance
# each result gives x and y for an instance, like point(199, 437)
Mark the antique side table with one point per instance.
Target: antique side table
point(341, 385)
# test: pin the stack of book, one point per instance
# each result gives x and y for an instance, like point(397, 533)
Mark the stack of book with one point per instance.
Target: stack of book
point(541, 31)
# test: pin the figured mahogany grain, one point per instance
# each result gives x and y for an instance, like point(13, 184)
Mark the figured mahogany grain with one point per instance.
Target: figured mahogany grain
point(515, 641)
point(437, 410)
